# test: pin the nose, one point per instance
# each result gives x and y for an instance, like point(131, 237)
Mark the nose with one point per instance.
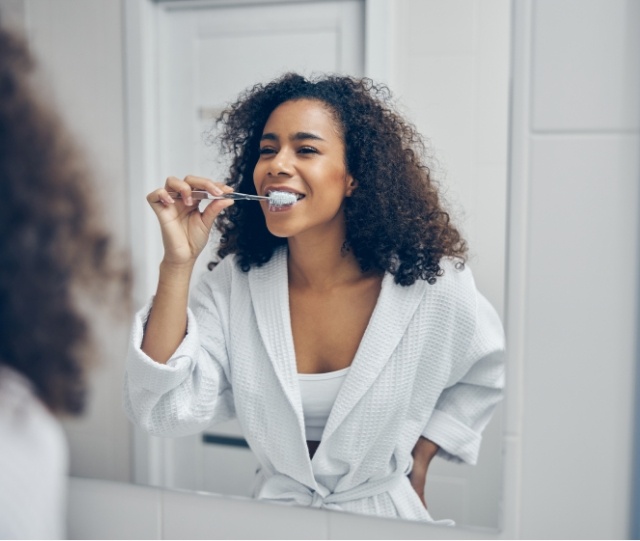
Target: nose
point(280, 164)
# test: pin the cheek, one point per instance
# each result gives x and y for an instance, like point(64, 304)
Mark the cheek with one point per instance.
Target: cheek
point(336, 183)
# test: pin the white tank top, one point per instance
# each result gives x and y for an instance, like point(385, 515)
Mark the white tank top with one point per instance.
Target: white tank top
point(318, 393)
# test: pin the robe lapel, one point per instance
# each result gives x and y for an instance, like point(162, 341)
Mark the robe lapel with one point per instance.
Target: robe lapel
point(270, 295)
point(391, 316)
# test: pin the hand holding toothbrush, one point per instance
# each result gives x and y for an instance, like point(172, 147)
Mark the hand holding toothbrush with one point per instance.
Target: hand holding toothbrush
point(185, 233)
point(185, 229)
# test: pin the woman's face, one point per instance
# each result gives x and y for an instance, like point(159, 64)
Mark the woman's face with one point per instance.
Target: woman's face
point(302, 151)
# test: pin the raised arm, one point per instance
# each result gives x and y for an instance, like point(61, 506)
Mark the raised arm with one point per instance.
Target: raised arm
point(185, 232)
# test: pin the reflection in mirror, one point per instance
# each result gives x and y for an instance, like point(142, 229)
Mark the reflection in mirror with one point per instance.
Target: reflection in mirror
point(447, 66)
point(448, 73)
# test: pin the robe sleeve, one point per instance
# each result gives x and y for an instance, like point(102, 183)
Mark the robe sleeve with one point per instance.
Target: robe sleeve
point(464, 408)
point(192, 390)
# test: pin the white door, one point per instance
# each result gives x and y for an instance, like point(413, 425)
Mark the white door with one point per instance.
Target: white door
point(207, 54)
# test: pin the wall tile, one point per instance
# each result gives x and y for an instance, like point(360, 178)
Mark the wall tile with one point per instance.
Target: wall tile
point(585, 65)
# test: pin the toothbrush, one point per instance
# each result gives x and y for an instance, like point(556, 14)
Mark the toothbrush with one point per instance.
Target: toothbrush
point(275, 198)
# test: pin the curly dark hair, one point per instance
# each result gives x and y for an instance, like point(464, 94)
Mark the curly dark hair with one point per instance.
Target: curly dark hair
point(52, 246)
point(395, 221)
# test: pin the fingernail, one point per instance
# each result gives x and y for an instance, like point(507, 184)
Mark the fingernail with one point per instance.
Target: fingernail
point(189, 201)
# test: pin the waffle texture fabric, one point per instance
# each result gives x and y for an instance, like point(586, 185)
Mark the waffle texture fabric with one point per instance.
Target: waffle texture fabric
point(430, 363)
point(33, 464)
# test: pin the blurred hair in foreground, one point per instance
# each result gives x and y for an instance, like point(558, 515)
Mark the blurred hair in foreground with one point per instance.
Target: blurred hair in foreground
point(54, 251)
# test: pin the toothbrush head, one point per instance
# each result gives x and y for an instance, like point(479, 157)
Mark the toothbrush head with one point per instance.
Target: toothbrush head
point(282, 199)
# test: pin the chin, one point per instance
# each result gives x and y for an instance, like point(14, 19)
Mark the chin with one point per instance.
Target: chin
point(280, 232)
point(282, 226)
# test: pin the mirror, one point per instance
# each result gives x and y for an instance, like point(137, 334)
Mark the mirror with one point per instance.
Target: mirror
point(447, 64)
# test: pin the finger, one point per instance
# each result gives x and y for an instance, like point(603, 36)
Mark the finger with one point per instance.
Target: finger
point(182, 187)
point(210, 213)
point(224, 187)
point(202, 183)
point(160, 197)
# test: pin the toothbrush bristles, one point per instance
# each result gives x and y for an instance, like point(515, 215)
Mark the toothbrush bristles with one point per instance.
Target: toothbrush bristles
point(282, 199)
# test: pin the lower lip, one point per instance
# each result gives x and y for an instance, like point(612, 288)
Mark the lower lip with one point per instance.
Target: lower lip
point(282, 208)
point(278, 208)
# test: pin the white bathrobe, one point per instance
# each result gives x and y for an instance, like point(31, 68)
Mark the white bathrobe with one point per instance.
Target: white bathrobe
point(34, 463)
point(430, 363)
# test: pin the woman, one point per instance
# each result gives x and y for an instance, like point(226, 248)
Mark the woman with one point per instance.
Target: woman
point(52, 250)
point(343, 331)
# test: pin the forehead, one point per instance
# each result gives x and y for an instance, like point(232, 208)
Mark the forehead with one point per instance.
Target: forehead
point(303, 115)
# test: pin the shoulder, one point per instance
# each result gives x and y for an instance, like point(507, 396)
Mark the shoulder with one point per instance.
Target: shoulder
point(226, 268)
point(24, 415)
point(449, 306)
point(227, 274)
point(30, 435)
point(33, 460)
point(474, 315)
point(220, 277)
point(229, 267)
point(456, 287)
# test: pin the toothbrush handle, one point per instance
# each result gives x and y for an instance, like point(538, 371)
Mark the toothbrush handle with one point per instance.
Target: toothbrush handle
point(244, 196)
point(203, 194)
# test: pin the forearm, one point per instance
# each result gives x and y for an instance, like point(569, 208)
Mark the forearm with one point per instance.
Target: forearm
point(167, 322)
point(424, 451)
point(423, 454)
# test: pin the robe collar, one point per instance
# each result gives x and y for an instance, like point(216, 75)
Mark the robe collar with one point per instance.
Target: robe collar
point(392, 314)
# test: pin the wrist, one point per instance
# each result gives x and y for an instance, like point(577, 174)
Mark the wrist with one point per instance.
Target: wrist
point(425, 449)
point(175, 273)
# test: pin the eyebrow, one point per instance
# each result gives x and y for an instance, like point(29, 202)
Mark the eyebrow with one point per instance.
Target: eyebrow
point(298, 136)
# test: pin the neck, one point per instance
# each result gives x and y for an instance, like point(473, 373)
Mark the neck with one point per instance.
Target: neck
point(321, 265)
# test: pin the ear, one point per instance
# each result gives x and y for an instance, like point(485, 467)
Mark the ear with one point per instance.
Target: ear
point(352, 184)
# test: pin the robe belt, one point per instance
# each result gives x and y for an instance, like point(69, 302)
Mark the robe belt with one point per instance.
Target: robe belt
point(285, 489)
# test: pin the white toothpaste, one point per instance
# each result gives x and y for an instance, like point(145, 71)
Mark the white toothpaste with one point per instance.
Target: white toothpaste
point(282, 199)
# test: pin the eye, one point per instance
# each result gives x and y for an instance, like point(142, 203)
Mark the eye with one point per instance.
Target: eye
point(307, 150)
point(264, 151)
